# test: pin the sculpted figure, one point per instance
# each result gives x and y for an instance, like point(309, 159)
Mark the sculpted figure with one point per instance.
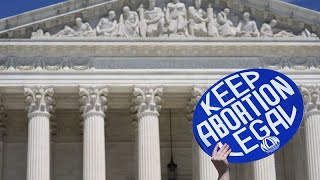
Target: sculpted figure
point(308, 34)
point(176, 16)
point(81, 29)
point(142, 24)
point(154, 18)
point(212, 22)
point(225, 27)
point(267, 30)
point(247, 27)
point(108, 27)
point(40, 33)
point(129, 23)
point(197, 20)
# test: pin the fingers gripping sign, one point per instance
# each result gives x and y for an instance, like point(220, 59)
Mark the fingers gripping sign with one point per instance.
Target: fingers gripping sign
point(220, 161)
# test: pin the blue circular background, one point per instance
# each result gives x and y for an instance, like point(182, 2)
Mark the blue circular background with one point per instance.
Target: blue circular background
point(285, 135)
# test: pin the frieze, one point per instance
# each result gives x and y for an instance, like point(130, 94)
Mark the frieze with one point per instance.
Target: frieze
point(175, 19)
point(40, 64)
point(87, 64)
point(294, 63)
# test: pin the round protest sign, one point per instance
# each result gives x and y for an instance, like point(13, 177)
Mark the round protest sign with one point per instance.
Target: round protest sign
point(255, 111)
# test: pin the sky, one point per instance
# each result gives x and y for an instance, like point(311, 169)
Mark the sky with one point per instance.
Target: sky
point(14, 7)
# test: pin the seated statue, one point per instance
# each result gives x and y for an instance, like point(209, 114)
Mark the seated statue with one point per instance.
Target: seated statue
point(128, 23)
point(108, 27)
point(197, 20)
point(212, 22)
point(267, 30)
point(154, 18)
point(225, 27)
point(247, 27)
point(81, 29)
point(176, 17)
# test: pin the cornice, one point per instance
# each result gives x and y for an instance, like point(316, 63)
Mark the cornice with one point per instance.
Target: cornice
point(245, 47)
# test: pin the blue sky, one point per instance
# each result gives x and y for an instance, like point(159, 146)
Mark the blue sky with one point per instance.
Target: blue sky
point(14, 7)
point(310, 4)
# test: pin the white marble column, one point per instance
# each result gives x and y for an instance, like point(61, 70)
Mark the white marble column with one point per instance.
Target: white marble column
point(264, 169)
point(93, 107)
point(311, 96)
point(202, 167)
point(39, 105)
point(147, 106)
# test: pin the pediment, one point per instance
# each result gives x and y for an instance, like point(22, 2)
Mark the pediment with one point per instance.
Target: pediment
point(291, 20)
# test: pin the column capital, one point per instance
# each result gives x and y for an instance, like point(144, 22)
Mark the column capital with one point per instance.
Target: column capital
point(147, 100)
point(3, 120)
point(93, 101)
point(311, 98)
point(39, 101)
point(197, 92)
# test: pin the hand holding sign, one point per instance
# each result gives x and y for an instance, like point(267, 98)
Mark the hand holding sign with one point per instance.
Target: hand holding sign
point(255, 111)
point(219, 159)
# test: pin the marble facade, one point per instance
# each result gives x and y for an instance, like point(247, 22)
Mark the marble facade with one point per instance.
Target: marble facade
point(99, 78)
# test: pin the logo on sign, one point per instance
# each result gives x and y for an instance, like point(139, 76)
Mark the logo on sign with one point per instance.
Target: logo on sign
point(255, 111)
point(270, 144)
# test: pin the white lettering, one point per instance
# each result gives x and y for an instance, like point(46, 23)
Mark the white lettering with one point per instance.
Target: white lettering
point(253, 107)
point(285, 115)
point(241, 112)
point(234, 87)
point(237, 123)
point(260, 100)
point(218, 126)
point(274, 124)
point(262, 129)
point(272, 92)
point(204, 137)
point(206, 105)
point(245, 76)
point(219, 96)
point(281, 88)
point(242, 142)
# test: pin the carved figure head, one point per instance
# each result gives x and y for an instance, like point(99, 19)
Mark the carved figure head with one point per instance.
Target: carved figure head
point(246, 16)
point(78, 21)
point(226, 11)
point(273, 23)
point(197, 4)
point(209, 5)
point(152, 4)
point(111, 15)
point(176, 1)
point(126, 10)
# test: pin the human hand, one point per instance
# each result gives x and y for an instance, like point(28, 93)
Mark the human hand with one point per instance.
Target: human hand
point(219, 159)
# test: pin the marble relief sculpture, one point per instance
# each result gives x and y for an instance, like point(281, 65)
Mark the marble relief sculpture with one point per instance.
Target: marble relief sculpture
point(197, 20)
point(247, 27)
point(40, 33)
point(154, 17)
point(174, 20)
point(176, 16)
point(212, 24)
point(108, 27)
point(128, 23)
point(225, 27)
point(142, 24)
point(80, 29)
point(267, 30)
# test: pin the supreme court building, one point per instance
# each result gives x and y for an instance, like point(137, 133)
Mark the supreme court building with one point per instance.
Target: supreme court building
point(87, 86)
